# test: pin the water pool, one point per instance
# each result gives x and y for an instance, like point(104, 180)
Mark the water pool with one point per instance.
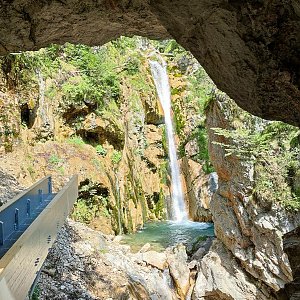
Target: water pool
point(161, 235)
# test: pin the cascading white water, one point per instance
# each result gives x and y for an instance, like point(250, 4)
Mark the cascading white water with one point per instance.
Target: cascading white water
point(161, 80)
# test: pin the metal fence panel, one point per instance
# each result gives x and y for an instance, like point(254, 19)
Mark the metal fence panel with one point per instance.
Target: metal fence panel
point(20, 264)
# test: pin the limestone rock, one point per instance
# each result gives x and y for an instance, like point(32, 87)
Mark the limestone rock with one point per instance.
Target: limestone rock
point(196, 190)
point(145, 248)
point(179, 270)
point(9, 187)
point(291, 245)
point(201, 249)
point(212, 182)
point(89, 265)
point(155, 259)
point(107, 128)
point(251, 231)
point(220, 277)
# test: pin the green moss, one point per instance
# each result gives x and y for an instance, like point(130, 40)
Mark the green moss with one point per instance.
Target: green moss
point(116, 157)
point(129, 222)
point(203, 155)
point(179, 119)
point(164, 173)
point(101, 150)
point(76, 140)
point(160, 206)
point(164, 139)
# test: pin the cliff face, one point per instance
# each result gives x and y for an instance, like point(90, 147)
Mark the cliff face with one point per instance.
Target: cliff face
point(53, 124)
point(249, 227)
point(94, 111)
point(291, 245)
point(251, 50)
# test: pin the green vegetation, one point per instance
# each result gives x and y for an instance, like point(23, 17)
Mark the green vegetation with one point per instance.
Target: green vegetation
point(203, 155)
point(113, 84)
point(159, 209)
point(36, 293)
point(84, 211)
point(178, 119)
point(196, 101)
point(116, 157)
point(92, 202)
point(164, 139)
point(54, 160)
point(101, 151)
point(76, 140)
point(273, 151)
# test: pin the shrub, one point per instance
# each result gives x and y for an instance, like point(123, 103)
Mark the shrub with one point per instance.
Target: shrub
point(76, 140)
point(100, 150)
point(116, 157)
point(93, 200)
point(54, 159)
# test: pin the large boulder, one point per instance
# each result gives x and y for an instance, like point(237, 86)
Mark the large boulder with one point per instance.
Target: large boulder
point(179, 270)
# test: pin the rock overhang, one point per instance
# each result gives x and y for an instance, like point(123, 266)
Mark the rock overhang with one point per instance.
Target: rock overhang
point(250, 50)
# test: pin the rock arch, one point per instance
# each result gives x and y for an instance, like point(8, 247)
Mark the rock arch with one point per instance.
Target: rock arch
point(251, 49)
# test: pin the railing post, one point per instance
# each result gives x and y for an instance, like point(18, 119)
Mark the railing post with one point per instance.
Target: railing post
point(1, 233)
point(28, 208)
point(16, 219)
point(50, 185)
point(41, 196)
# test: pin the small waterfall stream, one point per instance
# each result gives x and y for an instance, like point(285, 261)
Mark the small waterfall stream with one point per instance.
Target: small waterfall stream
point(161, 80)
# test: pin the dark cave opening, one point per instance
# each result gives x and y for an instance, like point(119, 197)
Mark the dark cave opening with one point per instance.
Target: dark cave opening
point(27, 115)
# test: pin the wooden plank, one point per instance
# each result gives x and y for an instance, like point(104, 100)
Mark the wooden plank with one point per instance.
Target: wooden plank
point(24, 259)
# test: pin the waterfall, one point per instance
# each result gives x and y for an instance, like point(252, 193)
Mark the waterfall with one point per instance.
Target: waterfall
point(161, 80)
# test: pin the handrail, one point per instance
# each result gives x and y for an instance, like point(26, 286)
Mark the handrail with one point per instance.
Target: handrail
point(25, 257)
point(38, 185)
point(19, 213)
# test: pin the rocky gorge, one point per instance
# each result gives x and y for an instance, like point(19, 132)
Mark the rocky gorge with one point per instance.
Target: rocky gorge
point(55, 124)
point(114, 138)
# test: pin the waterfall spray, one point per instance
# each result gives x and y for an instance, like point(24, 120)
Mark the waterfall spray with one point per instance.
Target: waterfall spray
point(161, 80)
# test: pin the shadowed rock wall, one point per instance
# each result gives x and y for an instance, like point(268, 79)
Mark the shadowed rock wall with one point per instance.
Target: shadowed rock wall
point(250, 49)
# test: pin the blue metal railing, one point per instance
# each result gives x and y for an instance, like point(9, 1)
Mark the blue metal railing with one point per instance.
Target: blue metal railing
point(29, 232)
point(17, 215)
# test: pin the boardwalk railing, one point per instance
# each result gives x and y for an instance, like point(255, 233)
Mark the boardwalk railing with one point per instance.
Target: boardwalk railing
point(28, 227)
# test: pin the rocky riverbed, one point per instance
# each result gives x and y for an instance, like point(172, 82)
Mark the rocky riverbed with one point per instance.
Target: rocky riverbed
point(86, 264)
